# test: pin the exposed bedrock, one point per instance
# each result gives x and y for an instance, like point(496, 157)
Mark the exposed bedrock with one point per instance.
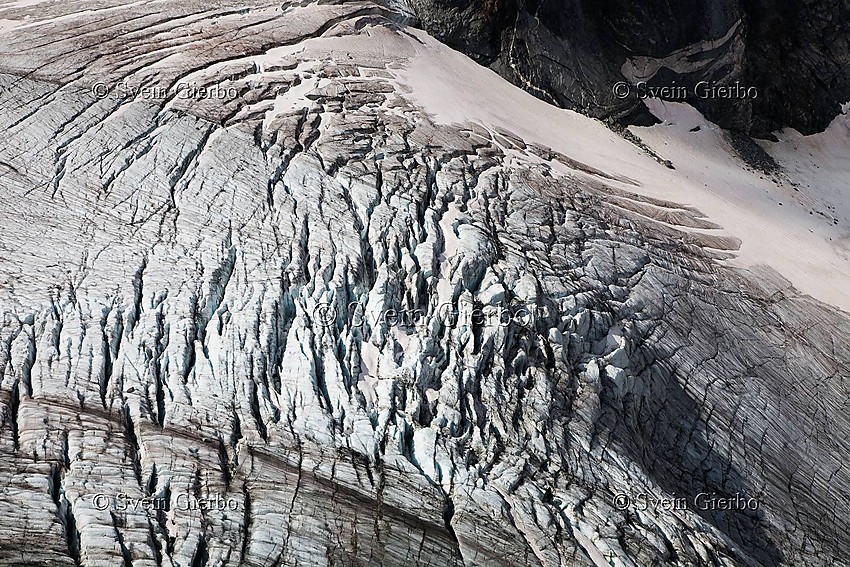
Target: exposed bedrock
point(796, 54)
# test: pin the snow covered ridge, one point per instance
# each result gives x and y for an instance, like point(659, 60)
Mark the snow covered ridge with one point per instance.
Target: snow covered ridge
point(168, 262)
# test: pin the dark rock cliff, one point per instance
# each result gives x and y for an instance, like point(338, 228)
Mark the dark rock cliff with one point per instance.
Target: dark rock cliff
point(795, 54)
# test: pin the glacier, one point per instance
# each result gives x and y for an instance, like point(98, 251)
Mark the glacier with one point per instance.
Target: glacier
point(216, 218)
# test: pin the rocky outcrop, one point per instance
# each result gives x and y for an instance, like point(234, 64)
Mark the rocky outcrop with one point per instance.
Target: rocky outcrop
point(260, 308)
point(782, 63)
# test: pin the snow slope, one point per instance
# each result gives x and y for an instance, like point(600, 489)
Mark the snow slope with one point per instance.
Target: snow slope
point(809, 250)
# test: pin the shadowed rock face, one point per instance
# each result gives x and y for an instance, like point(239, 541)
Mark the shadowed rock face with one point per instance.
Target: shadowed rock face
point(196, 295)
point(572, 53)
